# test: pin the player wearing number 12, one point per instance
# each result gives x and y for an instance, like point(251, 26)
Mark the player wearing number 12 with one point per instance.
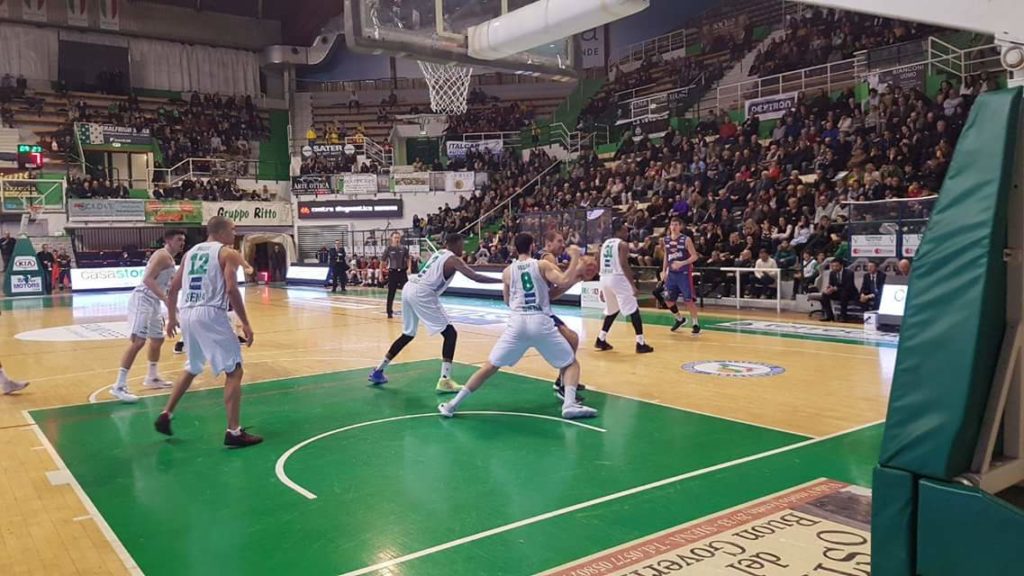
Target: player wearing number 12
point(209, 277)
point(528, 285)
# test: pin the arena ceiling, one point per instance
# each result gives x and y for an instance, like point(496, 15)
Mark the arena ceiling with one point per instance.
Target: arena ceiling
point(301, 20)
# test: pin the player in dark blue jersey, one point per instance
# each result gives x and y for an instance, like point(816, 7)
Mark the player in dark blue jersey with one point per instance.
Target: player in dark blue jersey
point(678, 274)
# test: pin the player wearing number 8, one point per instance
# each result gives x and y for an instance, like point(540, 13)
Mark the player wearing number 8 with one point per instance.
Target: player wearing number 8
point(528, 286)
point(209, 277)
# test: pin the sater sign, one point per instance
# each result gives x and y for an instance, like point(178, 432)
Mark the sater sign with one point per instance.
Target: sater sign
point(771, 107)
point(350, 209)
point(250, 213)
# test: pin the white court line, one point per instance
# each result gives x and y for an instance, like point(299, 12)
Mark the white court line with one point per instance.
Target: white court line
point(679, 408)
point(94, 397)
point(594, 502)
point(171, 360)
point(283, 477)
point(94, 513)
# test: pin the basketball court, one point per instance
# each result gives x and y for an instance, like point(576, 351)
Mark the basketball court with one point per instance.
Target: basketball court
point(353, 479)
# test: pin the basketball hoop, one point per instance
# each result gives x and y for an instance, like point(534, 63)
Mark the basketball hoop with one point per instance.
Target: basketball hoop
point(449, 86)
point(34, 210)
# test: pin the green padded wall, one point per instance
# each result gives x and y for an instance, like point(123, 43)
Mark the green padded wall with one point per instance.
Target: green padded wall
point(955, 310)
point(963, 531)
point(893, 538)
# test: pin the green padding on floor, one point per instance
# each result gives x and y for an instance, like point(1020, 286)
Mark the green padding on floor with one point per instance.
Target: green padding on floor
point(963, 531)
point(955, 311)
point(892, 522)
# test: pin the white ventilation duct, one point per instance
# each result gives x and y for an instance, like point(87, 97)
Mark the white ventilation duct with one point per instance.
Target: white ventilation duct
point(544, 22)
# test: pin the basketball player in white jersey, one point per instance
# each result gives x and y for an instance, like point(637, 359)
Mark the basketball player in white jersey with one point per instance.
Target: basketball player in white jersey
point(528, 285)
point(209, 277)
point(236, 323)
point(145, 316)
point(421, 302)
point(618, 284)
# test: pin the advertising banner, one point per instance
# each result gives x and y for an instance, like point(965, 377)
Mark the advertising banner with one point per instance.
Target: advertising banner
point(110, 14)
point(456, 149)
point(327, 150)
point(116, 277)
point(350, 209)
point(906, 77)
point(311, 184)
point(591, 296)
point(78, 15)
point(115, 136)
point(356, 183)
point(771, 107)
point(174, 212)
point(250, 213)
point(26, 275)
point(910, 244)
point(412, 182)
point(592, 48)
point(873, 245)
point(99, 210)
point(33, 10)
point(459, 181)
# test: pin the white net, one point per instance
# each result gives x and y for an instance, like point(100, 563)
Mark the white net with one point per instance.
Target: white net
point(449, 86)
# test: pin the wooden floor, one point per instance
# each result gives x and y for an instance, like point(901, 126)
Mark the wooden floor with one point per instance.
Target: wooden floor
point(825, 387)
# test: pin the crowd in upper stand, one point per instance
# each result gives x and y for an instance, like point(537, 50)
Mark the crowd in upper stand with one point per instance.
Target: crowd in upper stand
point(822, 36)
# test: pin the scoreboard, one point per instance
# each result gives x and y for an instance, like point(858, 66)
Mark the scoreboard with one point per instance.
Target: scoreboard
point(30, 156)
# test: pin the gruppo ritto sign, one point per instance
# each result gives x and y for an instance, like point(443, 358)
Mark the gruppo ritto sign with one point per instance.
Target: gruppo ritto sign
point(250, 213)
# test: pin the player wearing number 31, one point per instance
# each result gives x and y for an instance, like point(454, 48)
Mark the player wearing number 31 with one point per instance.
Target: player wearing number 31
point(529, 286)
point(209, 278)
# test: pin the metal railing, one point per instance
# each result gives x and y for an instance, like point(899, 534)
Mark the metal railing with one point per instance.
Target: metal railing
point(507, 202)
point(574, 140)
point(946, 58)
point(941, 57)
point(404, 83)
point(632, 93)
point(642, 50)
point(833, 76)
point(196, 168)
point(508, 138)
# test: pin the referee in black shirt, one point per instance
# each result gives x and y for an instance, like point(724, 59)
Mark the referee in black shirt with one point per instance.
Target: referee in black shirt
point(396, 258)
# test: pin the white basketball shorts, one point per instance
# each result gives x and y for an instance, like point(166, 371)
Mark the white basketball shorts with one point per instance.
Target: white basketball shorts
point(618, 295)
point(210, 338)
point(422, 305)
point(145, 317)
point(525, 331)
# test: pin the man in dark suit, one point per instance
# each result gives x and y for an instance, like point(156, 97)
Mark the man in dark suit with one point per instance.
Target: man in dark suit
point(840, 287)
point(339, 265)
point(871, 287)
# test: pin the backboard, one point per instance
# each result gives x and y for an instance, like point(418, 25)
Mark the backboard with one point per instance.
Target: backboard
point(435, 30)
